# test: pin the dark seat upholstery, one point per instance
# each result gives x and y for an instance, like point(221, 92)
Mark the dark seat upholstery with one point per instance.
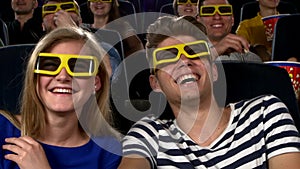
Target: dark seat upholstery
point(247, 80)
point(250, 9)
point(137, 5)
point(13, 60)
point(243, 81)
point(285, 33)
point(167, 9)
point(4, 32)
point(160, 3)
point(129, 84)
point(111, 37)
point(128, 11)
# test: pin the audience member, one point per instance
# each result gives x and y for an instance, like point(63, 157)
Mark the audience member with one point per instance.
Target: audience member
point(254, 30)
point(27, 26)
point(66, 13)
point(64, 120)
point(106, 15)
point(185, 7)
point(254, 133)
point(217, 16)
point(60, 13)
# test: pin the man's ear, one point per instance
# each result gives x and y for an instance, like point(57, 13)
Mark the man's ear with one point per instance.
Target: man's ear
point(232, 20)
point(35, 4)
point(97, 83)
point(154, 83)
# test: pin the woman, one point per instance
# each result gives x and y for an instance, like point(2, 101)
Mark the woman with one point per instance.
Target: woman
point(64, 120)
point(107, 16)
point(185, 7)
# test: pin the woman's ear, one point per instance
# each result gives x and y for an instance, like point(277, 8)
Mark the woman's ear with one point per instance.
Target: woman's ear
point(97, 83)
point(154, 83)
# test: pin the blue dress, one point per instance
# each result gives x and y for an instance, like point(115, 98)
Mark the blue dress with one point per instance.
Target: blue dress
point(88, 156)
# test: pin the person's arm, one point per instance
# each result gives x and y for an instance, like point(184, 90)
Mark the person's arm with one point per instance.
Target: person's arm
point(232, 43)
point(288, 160)
point(134, 163)
point(140, 145)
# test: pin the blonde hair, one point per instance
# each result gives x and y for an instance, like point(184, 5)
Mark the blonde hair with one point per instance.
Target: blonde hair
point(96, 122)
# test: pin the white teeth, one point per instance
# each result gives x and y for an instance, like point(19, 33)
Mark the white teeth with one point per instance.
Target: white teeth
point(60, 90)
point(217, 26)
point(187, 79)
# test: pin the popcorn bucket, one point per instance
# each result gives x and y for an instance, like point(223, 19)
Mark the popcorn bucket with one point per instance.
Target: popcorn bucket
point(293, 69)
point(270, 22)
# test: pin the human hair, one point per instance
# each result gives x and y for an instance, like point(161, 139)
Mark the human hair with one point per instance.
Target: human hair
point(96, 118)
point(170, 26)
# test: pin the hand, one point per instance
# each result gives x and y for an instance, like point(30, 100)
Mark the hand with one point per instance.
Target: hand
point(63, 18)
point(27, 153)
point(232, 43)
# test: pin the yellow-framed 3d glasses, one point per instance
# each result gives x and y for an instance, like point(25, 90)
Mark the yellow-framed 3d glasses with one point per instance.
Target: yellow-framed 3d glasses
point(180, 2)
point(66, 6)
point(210, 10)
point(171, 54)
point(100, 0)
point(75, 65)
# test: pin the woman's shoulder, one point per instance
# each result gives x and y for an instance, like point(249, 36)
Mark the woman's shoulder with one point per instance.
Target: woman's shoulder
point(8, 127)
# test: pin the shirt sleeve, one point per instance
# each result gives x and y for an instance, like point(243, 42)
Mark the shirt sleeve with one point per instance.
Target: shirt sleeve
point(280, 131)
point(142, 139)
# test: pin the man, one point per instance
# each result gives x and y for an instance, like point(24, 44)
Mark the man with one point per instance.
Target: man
point(217, 16)
point(27, 26)
point(254, 133)
point(59, 13)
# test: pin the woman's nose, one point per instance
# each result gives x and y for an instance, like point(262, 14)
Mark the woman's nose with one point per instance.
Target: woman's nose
point(63, 75)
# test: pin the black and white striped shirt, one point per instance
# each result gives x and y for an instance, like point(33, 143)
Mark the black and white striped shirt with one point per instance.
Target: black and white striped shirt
point(258, 129)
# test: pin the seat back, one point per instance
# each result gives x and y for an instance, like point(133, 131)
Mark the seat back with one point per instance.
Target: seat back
point(248, 80)
point(160, 3)
point(250, 9)
point(137, 5)
point(13, 60)
point(111, 37)
point(127, 8)
point(167, 9)
point(4, 32)
point(285, 32)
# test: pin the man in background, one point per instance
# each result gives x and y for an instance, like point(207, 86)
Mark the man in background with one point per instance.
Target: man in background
point(217, 16)
point(27, 26)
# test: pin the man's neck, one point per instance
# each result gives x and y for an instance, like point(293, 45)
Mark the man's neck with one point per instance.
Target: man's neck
point(23, 18)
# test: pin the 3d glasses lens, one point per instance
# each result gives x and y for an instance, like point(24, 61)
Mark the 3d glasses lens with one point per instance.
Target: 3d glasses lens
point(67, 6)
point(100, 0)
point(187, 1)
point(50, 8)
